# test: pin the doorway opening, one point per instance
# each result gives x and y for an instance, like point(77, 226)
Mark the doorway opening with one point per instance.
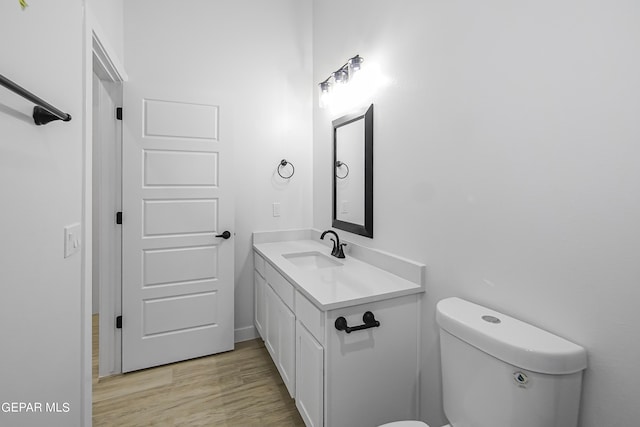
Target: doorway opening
point(102, 194)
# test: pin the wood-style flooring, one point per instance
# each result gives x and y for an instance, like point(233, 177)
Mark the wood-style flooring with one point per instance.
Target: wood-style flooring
point(238, 388)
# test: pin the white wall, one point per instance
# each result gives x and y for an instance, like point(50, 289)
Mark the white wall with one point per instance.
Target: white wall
point(256, 57)
point(41, 190)
point(506, 159)
point(109, 17)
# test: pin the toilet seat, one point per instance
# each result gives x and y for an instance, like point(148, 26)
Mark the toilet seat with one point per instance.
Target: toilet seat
point(405, 424)
point(408, 424)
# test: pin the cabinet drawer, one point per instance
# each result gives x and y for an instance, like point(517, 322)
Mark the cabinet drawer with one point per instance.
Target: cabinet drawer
point(258, 263)
point(310, 316)
point(280, 285)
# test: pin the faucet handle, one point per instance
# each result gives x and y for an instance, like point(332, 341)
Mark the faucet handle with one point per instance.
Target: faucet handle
point(335, 244)
point(339, 252)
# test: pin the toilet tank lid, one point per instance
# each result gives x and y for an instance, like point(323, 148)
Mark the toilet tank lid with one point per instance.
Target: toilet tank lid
point(508, 339)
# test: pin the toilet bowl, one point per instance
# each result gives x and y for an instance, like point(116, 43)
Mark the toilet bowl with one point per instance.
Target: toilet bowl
point(489, 358)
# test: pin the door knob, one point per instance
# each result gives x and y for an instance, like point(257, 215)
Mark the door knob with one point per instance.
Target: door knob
point(225, 235)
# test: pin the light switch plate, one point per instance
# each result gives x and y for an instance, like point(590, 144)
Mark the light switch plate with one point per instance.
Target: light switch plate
point(276, 209)
point(72, 239)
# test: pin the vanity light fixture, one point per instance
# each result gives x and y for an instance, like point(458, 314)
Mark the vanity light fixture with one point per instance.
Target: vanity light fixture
point(324, 86)
point(342, 75)
point(355, 64)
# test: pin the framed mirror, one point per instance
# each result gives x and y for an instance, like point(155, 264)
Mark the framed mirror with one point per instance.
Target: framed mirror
point(353, 173)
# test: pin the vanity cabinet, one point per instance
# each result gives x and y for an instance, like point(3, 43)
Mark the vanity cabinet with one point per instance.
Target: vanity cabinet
point(363, 378)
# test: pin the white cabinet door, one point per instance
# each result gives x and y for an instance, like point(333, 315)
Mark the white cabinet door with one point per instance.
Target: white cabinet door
point(287, 362)
point(280, 338)
point(271, 338)
point(309, 377)
point(259, 303)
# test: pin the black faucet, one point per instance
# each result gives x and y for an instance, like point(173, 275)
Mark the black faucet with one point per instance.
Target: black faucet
point(337, 250)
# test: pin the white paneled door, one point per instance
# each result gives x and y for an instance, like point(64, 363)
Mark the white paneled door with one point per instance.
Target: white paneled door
point(177, 284)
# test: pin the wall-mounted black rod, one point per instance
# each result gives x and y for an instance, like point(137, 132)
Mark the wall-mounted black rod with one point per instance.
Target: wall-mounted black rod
point(43, 112)
point(369, 322)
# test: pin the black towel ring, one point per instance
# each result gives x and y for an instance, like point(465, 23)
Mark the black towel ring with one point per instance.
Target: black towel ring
point(340, 164)
point(284, 163)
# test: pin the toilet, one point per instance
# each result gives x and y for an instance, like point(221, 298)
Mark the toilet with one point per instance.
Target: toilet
point(498, 371)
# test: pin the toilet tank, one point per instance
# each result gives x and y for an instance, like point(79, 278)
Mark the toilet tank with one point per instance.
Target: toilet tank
point(500, 372)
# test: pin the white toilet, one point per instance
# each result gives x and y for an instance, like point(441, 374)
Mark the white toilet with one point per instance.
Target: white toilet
point(500, 372)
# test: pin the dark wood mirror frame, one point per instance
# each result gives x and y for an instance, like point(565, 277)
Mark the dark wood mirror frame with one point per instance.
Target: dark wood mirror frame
point(365, 229)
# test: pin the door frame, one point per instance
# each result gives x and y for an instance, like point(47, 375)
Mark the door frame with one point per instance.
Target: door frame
point(108, 259)
point(99, 53)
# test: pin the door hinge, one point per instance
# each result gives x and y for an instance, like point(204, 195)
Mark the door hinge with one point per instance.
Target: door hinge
point(118, 217)
point(119, 113)
point(119, 322)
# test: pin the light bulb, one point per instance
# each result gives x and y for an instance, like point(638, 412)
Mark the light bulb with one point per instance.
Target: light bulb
point(325, 99)
point(324, 87)
point(355, 64)
point(341, 76)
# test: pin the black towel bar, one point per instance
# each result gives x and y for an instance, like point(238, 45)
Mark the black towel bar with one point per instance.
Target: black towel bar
point(369, 322)
point(43, 112)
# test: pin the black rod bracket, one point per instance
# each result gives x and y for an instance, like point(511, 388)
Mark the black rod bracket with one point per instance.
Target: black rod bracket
point(369, 322)
point(43, 112)
point(42, 116)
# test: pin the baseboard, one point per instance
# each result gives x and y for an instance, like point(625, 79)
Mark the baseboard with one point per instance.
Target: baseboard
point(245, 334)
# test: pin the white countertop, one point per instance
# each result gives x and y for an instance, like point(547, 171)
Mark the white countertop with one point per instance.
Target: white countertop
point(354, 282)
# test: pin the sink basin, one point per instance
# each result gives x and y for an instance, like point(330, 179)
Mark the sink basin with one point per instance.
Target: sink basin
point(312, 260)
